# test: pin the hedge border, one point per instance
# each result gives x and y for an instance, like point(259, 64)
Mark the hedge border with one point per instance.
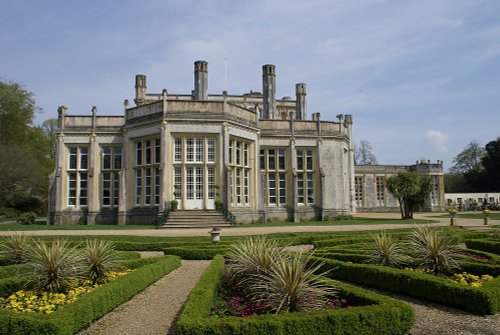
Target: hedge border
point(484, 245)
point(69, 319)
point(383, 316)
point(482, 300)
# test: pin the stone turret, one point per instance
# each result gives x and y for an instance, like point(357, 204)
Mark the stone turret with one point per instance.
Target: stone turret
point(140, 89)
point(269, 91)
point(300, 102)
point(200, 80)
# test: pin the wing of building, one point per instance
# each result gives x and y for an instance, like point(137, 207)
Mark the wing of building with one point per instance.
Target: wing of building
point(262, 157)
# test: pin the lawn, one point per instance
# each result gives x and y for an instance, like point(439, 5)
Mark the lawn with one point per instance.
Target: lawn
point(359, 221)
point(471, 215)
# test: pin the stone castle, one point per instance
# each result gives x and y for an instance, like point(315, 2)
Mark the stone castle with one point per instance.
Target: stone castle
point(261, 157)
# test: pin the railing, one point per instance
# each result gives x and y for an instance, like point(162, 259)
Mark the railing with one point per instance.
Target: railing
point(230, 217)
point(164, 217)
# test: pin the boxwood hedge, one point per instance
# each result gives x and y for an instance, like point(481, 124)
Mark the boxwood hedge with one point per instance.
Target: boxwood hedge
point(379, 315)
point(483, 300)
point(484, 245)
point(68, 319)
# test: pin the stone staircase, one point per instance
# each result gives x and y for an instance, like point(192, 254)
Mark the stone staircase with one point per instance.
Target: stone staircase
point(195, 219)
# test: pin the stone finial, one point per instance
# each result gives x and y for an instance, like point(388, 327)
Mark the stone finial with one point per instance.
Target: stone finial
point(94, 110)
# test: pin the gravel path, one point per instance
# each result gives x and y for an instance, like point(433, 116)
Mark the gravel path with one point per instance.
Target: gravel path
point(155, 310)
point(441, 320)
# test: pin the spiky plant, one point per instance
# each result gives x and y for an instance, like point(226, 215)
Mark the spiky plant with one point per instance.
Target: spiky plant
point(253, 256)
point(13, 247)
point(53, 266)
point(290, 285)
point(387, 251)
point(434, 249)
point(100, 257)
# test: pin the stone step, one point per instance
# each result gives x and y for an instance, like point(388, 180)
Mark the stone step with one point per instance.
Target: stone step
point(195, 219)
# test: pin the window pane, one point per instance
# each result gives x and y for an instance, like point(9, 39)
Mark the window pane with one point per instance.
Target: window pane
point(309, 160)
point(83, 189)
point(118, 158)
point(190, 149)
point(106, 158)
point(262, 160)
point(199, 150)
point(72, 158)
point(211, 150)
point(272, 159)
point(138, 153)
point(84, 155)
point(157, 151)
point(138, 186)
point(178, 150)
point(300, 160)
point(281, 159)
point(148, 151)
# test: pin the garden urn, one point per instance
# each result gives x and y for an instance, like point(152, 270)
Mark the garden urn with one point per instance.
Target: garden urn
point(215, 233)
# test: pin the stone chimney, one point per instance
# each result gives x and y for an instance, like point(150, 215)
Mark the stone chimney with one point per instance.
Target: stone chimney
point(300, 101)
point(140, 89)
point(200, 80)
point(269, 91)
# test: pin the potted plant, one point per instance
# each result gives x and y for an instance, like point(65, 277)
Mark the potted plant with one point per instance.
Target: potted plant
point(218, 204)
point(173, 205)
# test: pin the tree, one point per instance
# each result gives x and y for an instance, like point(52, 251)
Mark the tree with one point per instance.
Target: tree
point(455, 183)
point(468, 164)
point(50, 128)
point(363, 154)
point(17, 110)
point(411, 190)
point(491, 164)
point(469, 160)
point(25, 160)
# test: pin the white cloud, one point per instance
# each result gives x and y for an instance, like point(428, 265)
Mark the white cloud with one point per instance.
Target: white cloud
point(438, 140)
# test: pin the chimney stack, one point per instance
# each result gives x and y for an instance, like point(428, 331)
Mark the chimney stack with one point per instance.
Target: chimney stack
point(200, 80)
point(269, 91)
point(140, 89)
point(300, 101)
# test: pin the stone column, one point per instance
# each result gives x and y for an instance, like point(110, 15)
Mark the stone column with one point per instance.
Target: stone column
point(93, 181)
point(300, 102)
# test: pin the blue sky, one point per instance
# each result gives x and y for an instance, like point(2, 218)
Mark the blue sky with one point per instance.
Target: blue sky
point(421, 78)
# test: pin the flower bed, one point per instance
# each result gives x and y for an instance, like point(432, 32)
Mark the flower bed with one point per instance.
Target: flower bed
point(482, 300)
point(373, 314)
point(69, 318)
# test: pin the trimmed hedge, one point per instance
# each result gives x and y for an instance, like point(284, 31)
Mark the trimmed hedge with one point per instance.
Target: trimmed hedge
point(68, 319)
point(382, 315)
point(345, 257)
point(483, 300)
point(195, 253)
point(484, 245)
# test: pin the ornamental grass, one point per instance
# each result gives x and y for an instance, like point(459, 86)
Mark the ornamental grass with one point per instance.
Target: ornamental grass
point(53, 266)
point(14, 246)
point(434, 249)
point(387, 251)
point(99, 257)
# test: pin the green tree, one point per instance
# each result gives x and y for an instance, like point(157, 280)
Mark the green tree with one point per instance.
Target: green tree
point(455, 183)
point(25, 160)
point(50, 129)
point(411, 190)
point(491, 164)
point(468, 164)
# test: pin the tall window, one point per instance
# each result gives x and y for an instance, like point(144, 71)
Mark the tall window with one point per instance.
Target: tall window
point(111, 164)
point(273, 164)
point(147, 172)
point(78, 165)
point(305, 177)
point(380, 184)
point(358, 191)
point(240, 172)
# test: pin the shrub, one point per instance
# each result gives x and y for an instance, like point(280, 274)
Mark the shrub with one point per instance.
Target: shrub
point(53, 266)
point(14, 247)
point(290, 285)
point(484, 245)
point(27, 218)
point(99, 257)
point(434, 249)
point(386, 251)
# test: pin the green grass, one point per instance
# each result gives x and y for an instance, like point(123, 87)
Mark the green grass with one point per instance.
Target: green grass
point(20, 227)
point(361, 221)
point(478, 215)
point(353, 222)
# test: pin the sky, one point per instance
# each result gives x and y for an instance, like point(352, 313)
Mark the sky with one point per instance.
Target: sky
point(421, 78)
